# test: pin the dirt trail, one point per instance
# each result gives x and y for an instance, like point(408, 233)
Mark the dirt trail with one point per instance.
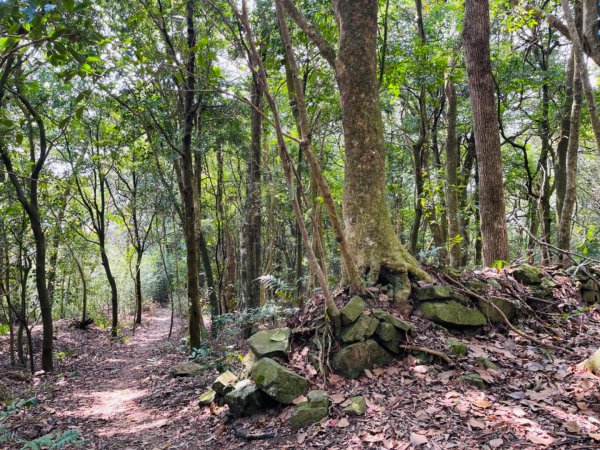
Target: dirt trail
point(118, 395)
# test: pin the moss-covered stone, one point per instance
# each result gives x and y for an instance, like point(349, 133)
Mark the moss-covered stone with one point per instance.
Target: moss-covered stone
point(433, 292)
point(388, 336)
point(474, 379)
point(457, 348)
point(487, 364)
point(352, 360)
point(357, 406)
point(527, 274)
point(245, 399)
point(360, 330)
point(207, 398)
point(307, 414)
point(271, 343)
point(452, 313)
point(391, 319)
point(318, 398)
point(590, 297)
point(352, 310)
point(277, 382)
point(186, 369)
point(508, 307)
point(224, 383)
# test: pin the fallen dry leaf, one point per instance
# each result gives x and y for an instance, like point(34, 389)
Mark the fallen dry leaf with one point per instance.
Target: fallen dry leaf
point(572, 426)
point(418, 439)
point(476, 423)
point(482, 403)
point(343, 423)
point(300, 399)
point(540, 438)
point(496, 443)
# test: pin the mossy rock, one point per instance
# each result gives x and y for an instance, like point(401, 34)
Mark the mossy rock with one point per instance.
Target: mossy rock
point(457, 348)
point(271, 343)
point(318, 397)
point(508, 307)
point(352, 360)
point(245, 399)
point(186, 369)
point(360, 330)
point(590, 297)
point(224, 383)
point(388, 336)
point(393, 320)
point(277, 382)
point(473, 379)
point(452, 313)
point(528, 274)
point(352, 310)
point(307, 414)
point(433, 292)
point(357, 406)
point(207, 398)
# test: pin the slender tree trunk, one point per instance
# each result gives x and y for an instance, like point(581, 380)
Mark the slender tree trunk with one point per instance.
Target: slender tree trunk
point(138, 287)
point(454, 235)
point(114, 296)
point(253, 229)
point(580, 65)
point(568, 205)
point(476, 32)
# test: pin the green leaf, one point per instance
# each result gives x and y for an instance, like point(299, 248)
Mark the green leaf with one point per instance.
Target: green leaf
point(69, 5)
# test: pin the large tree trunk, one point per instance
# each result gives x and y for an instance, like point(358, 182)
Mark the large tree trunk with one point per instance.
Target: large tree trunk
point(371, 238)
point(454, 236)
point(476, 32)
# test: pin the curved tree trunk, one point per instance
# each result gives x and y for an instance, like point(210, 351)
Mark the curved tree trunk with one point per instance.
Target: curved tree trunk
point(476, 32)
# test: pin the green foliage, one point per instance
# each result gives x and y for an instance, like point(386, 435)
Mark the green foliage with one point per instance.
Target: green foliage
point(55, 441)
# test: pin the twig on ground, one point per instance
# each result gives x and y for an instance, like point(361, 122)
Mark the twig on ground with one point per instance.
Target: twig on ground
point(416, 348)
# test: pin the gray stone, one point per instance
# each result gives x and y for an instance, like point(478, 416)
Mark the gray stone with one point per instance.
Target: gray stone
point(245, 399)
point(186, 369)
point(433, 292)
point(477, 285)
point(270, 343)
point(393, 320)
point(352, 360)
point(318, 398)
point(527, 274)
point(352, 310)
point(224, 383)
point(590, 285)
point(279, 383)
point(452, 313)
point(357, 406)
point(207, 398)
point(457, 348)
point(360, 330)
point(307, 414)
point(508, 307)
point(590, 297)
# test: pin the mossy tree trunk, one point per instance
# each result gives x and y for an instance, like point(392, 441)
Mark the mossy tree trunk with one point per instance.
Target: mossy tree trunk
point(372, 242)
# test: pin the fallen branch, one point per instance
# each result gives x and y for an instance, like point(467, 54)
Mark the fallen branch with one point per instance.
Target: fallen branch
point(247, 435)
point(416, 348)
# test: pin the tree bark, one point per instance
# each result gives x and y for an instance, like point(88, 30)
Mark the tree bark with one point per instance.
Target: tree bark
point(476, 31)
point(454, 235)
point(560, 177)
point(568, 205)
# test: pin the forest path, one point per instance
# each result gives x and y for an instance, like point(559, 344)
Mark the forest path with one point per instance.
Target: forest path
point(118, 395)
